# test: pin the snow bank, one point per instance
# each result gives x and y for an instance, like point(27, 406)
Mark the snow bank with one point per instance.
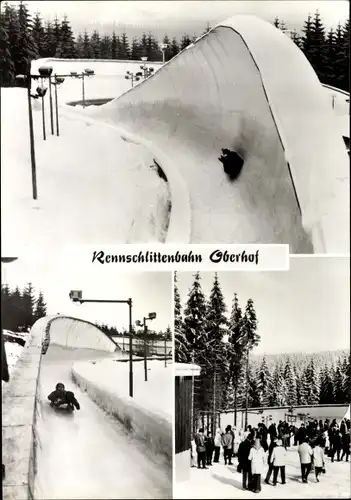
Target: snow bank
point(245, 86)
point(148, 415)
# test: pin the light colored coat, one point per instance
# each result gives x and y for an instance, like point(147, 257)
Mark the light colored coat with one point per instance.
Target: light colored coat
point(305, 452)
point(278, 458)
point(227, 440)
point(318, 456)
point(258, 460)
point(218, 438)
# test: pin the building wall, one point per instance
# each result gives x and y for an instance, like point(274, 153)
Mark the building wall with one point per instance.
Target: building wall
point(182, 413)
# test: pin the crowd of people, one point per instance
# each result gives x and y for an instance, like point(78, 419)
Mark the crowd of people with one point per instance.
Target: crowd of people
point(262, 446)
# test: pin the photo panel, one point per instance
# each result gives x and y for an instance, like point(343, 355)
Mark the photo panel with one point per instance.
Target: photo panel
point(88, 395)
point(262, 382)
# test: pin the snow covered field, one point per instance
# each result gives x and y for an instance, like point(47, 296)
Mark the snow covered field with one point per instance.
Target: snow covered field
point(221, 481)
point(155, 394)
point(92, 185)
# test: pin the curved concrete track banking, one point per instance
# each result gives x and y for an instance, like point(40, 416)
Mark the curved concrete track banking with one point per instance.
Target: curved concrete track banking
point(179, 227)
point(246, 86)
point(87, 454)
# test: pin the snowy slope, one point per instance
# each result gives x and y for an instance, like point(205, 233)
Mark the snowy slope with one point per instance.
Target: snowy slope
point(246, 86)
point(92, 185)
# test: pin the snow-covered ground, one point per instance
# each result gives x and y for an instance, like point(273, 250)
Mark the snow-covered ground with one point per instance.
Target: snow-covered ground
point(154, 394)
point(13, 352)
point(92, 185)
point(89, 454)
point(222, 481)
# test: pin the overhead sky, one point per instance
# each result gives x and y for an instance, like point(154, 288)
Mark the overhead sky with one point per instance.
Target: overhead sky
point(303, 310)
point(176, 17)
point(150, 292)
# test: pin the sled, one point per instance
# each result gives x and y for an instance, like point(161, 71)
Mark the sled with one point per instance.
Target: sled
point(65, 407)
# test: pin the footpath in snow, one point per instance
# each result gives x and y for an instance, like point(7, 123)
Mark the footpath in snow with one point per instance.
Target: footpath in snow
point(223, 481)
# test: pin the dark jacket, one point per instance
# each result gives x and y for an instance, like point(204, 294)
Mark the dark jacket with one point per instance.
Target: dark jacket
point(4, 365)
point(243, 455)
point(209, 444)
point(270, 450)
point(67, 397)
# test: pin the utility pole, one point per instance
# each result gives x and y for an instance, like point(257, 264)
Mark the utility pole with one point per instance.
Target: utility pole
point(145, 348)
point(165, 350)
point(214, 402)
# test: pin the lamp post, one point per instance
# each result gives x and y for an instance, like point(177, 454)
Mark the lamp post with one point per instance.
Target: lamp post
point(150, 317)
point(164, 47)
point(134, 77)
point(76, 296)
point(26, 80)
point(45, 72)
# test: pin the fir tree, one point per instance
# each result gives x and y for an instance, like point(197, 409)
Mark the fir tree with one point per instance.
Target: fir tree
point(95, 45)
point(124, 47)
point(339, 396)
point(181, 345)
point(254, 400)
point(115, 46)
point(80, 46)
point(40, 307)
point(66, 47)
point(7, 66)
point(174, 48)
point(330, 55)
point(185, 41)
point(38, 34)
point(106, 47)
point(56, 32)
point(86, 49)
point(296, 38)
point(264, 383)
point(278, 395)
point(290, 382)
point(153, 50)
point(135, 53)
point(50, 41)
point(276, 22)
point(195, 319)
point(326, 394)
point(26, 49)
point(28, 306)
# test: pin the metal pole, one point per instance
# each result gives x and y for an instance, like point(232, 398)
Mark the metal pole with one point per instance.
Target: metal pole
point(31, 139)
point(145, 357)
point(51, 109)
point(163, 56)
point(43, 111)
point(83, 90)
point(247, 388)
point(130, 349)
point(56, 107)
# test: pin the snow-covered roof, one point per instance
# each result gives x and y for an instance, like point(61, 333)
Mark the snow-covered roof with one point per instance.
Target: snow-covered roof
point(186, 370)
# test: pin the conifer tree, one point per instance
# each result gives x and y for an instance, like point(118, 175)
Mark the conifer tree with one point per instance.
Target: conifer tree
point(181, 344)
point(185, 41)
point(86, 49)
point(66, 47)
point(174, 48)
point(7, 66)
point(290, 382)
point(124, 47)
point(195, 319)
point(276, 22)
point(135, 54)
point(106, 47)
point(80, 46)
point(26, 49)
point(264, 383)
point(330, 55)
point(279, 387)
point(40, 307)
point(254, 400)
point(56, 30)
point(95, 45)
point(326, 394)
point(296, 38)
point(338, 386)
point(50, 41)
point(38, 34)
point(115, 46)
point(28, 300)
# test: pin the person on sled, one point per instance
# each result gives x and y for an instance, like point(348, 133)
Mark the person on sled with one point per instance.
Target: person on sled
point(62, 397)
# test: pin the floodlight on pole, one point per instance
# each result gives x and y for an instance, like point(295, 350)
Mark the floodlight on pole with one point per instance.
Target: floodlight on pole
point(164, 47)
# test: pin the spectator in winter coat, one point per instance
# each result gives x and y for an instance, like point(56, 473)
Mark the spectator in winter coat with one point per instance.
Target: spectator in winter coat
point(193, 453)
point(318, 459)
point(278, 460)
point(346, 446)
point(301, 435)
point(272, 445)
point(336, 444)
point(60, 397)
point(305, 452)
point(244, 462)
point(217, 445)
point(343, 427)
point(200, 449)
point(272, 432)
point(258, 460)
point(209, 445)
point(227, 443)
